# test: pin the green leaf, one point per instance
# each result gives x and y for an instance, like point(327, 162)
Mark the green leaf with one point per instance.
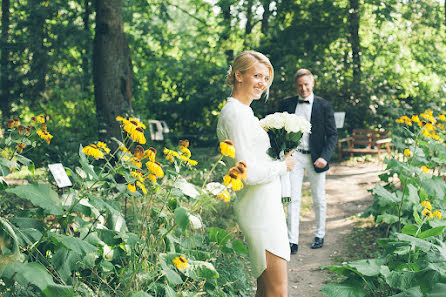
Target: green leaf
point(435, 187)
point(432, 232)
point(387, 218)
point(140, 294)
point(437, 290)
point(412, 196)
point(219, 236)
point(410, 229)
point(172, 277)
point(182, 217)
point(239, 247)
point(412, 292)
point(343, 289)
point(401, 280)
point(419, 243)
point(25, 161)
point(169, 291)
point(36, 274)
point(417, 216)
point(72, 243)
point(65, 261)
point(368, 267)
point(201, 269)
point(385, 197)
point(40, 195)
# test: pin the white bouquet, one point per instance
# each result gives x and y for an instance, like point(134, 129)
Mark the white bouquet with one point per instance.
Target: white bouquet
point(285, 131)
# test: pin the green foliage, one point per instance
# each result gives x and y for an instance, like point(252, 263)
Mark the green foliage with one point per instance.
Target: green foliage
point(412, 199)
point(117, 231)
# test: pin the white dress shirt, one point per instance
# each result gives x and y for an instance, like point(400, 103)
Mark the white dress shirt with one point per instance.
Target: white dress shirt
point(304, 110)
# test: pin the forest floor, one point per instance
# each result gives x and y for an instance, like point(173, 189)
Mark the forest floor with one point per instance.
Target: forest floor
point(347, 197)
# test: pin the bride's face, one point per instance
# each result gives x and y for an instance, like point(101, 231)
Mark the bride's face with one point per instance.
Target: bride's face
point(254, 81)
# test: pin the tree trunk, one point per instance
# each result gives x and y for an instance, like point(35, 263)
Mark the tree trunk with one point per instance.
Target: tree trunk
point(111, 67)
point(4, 63)
point(225, 6)
point(39, 58)
point(265, 16)
point(85, 54)
point(249, 22)
point(356, 49)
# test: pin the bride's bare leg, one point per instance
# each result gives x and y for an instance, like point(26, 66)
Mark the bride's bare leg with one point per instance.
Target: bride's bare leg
point(274, 280)
point(260, 288)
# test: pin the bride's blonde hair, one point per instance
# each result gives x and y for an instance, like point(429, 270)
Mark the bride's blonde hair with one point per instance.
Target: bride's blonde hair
point(244, 61)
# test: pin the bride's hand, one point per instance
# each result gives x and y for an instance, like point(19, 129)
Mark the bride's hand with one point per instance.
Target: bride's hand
point(290, 161)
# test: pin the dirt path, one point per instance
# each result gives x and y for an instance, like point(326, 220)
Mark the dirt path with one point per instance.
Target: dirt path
point(346, 186)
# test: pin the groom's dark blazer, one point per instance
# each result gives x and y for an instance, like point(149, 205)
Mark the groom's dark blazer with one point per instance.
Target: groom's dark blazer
point(323, 134)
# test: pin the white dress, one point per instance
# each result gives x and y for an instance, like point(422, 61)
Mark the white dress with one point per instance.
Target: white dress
point(258, 207)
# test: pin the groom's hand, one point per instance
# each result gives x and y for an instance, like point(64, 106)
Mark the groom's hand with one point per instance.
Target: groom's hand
point(320, 163)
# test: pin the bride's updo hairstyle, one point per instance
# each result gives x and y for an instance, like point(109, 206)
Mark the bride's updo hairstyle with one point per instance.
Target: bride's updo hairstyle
point(244, 61)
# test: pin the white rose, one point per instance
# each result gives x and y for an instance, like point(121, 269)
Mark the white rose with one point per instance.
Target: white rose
point(273, 121)
point(295, 123)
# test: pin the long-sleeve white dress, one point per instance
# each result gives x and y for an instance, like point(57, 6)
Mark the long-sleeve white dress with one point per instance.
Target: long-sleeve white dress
point(258, 207)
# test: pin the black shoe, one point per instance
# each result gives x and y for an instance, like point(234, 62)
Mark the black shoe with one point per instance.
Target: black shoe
point(294, 247)
point(318, 243)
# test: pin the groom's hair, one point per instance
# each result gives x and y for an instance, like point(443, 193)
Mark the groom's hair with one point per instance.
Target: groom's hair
point(302, 72)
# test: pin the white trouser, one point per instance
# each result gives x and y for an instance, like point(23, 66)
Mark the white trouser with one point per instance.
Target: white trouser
point(317, 184)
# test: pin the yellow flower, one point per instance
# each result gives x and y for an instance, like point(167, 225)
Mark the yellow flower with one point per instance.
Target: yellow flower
point(141, 186)
point(436, 137)
point(40, 119)
point(233, 179)
point(425, 169)
point(124, 149)
point(131, 187)
point(45, 135)
point(152, 177)
point(437, 214)
point(150, 154)
point(21, 129)
point(415, 118)
point(119, 118)
point(103, 146)
point(442, 117)
point(407, 152)
point(139, 152)
point(242, 168)
point(20, 147)
point(10, 123)
point(137, 123)
point(426, 212)
point(155, 168)
point(227, 148)
point(184, 143)
point(138, 175)
point(185, 151)
point(224, 196)
point(426, 204)
point(16, 122)
point(192, 162)
point(92, 150)
point(170, 152)
point(138, 135)
point(170, 155)
point(180, 262)
point(136, 162)
point(27, 130)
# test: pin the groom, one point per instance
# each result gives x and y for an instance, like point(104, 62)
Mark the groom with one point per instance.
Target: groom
point(312, 155)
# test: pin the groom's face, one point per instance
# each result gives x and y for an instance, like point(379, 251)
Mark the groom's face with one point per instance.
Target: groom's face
point(305, 85)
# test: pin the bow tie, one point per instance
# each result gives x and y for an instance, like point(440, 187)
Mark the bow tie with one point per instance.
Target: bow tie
point(304, 101)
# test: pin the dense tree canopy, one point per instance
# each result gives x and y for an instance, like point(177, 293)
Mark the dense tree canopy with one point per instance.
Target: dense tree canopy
point(371, 58)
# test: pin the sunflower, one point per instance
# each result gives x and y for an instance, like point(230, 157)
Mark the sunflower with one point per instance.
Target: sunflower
point(180, 262)
point(437, 214)
point(150, 154)
point(152, 178)
point(155, 168)
point(21, 129)
point(131, 187)
point(20, 147)
point(138, 135)
point(407, 152)
point(103, 145)
point(138, 174)
point(10, 123)
point(185, 151)
point(141, 186)
point(227, 148)
point(16, 122)
point(170, 154)
point(441, 117)
point(426, 204)
point(426, 212)
point(92, 150)
point(242, 168)
point(425, 169)
point(233, 179)
point(224, 196)
point(139, 152)
point(45, 135)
